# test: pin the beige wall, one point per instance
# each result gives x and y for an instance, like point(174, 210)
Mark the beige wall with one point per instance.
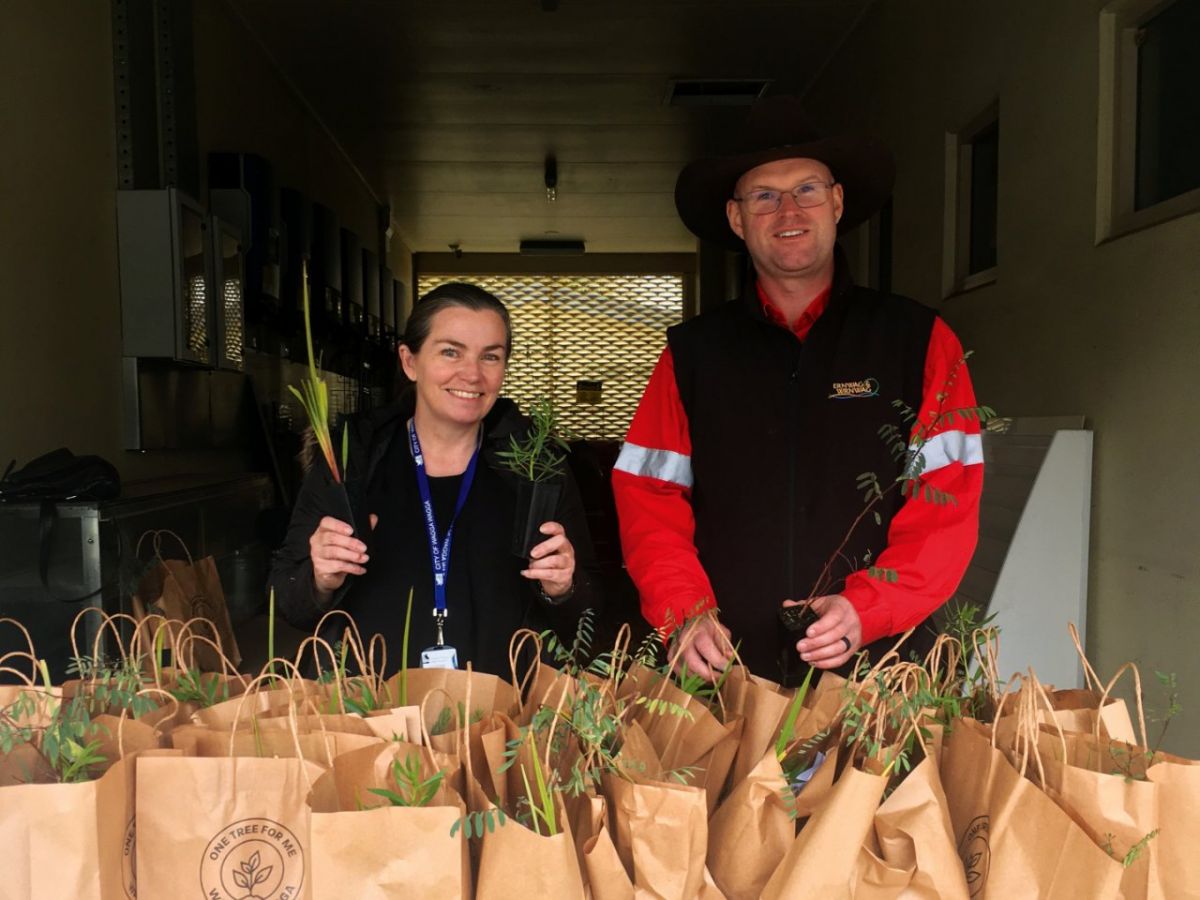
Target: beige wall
point(1109, 331)
point(60, 320)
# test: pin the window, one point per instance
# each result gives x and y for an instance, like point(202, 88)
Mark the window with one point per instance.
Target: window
point(1149, 143)
point(589, 342)
point(984, 179)
point(972, 192)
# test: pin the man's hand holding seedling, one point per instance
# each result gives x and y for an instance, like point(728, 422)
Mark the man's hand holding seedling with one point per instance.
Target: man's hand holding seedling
point(703, 645)
point(835, 637)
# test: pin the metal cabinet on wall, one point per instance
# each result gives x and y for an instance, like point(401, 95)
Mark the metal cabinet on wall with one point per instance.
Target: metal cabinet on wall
point(167, 308)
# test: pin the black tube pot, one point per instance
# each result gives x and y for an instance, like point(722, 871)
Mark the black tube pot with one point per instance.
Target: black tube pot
point(334, 501)
point(537, 502)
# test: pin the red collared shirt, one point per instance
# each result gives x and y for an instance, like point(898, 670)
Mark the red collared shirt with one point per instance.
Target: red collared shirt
point(804, 324)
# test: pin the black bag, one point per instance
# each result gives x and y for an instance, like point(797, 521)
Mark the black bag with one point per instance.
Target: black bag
point(60, 475)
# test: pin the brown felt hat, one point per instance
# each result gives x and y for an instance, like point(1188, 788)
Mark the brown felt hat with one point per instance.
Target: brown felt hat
point(777, 128)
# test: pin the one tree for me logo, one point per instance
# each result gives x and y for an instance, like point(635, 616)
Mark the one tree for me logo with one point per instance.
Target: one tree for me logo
point(976, 853)
point(129, 859)
point(253, 859)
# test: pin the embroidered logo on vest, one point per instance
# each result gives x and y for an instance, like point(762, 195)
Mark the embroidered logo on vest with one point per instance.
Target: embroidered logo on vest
point(852, 390)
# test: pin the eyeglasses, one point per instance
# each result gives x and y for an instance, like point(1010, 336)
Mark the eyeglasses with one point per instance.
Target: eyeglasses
point(808, 194)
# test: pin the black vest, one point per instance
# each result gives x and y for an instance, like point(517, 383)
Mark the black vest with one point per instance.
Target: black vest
point(780, 432)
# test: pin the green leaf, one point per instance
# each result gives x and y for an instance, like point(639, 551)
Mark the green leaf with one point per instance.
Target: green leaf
point(345, 448)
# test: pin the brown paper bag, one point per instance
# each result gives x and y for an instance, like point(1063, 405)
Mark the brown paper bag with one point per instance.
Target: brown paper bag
point(1082, 710)
point(606, 876)
point(447, 688)
point(661, 834)
point(1102, 784)
point(1122, 803)
point(263, 702)
point(117, 831)
point(712, 769)
point(816, 792)
point(679, 739)
point(1013, 840)
point(751, 832)
point(185, 590)
point(513, 861)
point(822, 860)
point(517, 864)
point(223, 829)
point(34, 708)
point(51, 840)
point(638, 760)
point(69, 840)
point(1090, 709)
point(364, 847)
point(322, 748)
point(912, 854)
point(387, 852)
point(1179, 811)
point(763, 705)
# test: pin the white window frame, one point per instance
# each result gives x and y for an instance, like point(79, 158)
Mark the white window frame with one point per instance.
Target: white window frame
point(956, 230)
point(1116, 147)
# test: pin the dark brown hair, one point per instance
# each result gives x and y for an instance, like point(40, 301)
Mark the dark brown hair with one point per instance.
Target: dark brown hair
point(454, 293)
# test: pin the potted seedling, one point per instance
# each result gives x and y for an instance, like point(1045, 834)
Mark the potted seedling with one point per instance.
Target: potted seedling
point(313, 395)
point(539, 460)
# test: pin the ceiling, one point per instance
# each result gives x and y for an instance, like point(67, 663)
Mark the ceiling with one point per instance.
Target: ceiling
point(449, 109)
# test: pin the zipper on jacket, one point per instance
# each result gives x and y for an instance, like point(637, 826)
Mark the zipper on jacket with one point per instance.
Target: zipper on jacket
point(793, 406)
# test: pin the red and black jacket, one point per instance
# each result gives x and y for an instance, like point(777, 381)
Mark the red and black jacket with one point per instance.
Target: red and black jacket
point(737, 482)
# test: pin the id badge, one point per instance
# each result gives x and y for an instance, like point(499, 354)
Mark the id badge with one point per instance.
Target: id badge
point(439, 657)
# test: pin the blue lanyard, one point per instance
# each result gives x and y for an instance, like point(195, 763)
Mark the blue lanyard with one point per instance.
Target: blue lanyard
point(439, 549)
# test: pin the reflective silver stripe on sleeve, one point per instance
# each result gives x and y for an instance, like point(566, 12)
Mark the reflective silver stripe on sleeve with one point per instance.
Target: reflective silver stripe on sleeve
point(950, 447)
point(665, 465)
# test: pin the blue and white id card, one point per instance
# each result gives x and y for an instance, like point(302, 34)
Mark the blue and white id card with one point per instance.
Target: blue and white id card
point(439, 657)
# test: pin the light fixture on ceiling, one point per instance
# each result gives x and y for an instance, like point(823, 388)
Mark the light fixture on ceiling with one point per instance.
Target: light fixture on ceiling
point(456, 249)
point(551, 177)
point(556, 247)
point(714, 91)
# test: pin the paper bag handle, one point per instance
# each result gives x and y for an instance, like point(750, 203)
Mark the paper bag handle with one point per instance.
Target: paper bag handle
point(31, 655)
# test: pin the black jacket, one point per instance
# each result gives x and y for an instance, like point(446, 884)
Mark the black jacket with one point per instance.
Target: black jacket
point(776, 456)
point(487, 598)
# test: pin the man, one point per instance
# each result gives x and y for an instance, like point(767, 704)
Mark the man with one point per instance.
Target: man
point(737, 485)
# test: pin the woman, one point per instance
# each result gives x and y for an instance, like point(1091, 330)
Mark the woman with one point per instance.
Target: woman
point(435, 449)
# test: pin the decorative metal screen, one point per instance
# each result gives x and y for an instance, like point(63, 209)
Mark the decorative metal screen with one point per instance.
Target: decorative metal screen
point(197, 315)
point(231, 321)
point(589, 342)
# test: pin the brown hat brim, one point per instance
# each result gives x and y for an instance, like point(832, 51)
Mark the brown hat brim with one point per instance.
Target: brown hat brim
point(862, 165)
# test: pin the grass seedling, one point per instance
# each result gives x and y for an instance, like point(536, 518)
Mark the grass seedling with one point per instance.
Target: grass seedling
point(271, 631)
point(193, 687)
point(314, 394)
point(414, 790)
point(787, 732)
point(404, 651)
point(541, 804)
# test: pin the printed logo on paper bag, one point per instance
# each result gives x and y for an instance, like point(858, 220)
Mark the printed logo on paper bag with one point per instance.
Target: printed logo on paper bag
point(976, 854)
point(129, 860)
point(254, 859)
